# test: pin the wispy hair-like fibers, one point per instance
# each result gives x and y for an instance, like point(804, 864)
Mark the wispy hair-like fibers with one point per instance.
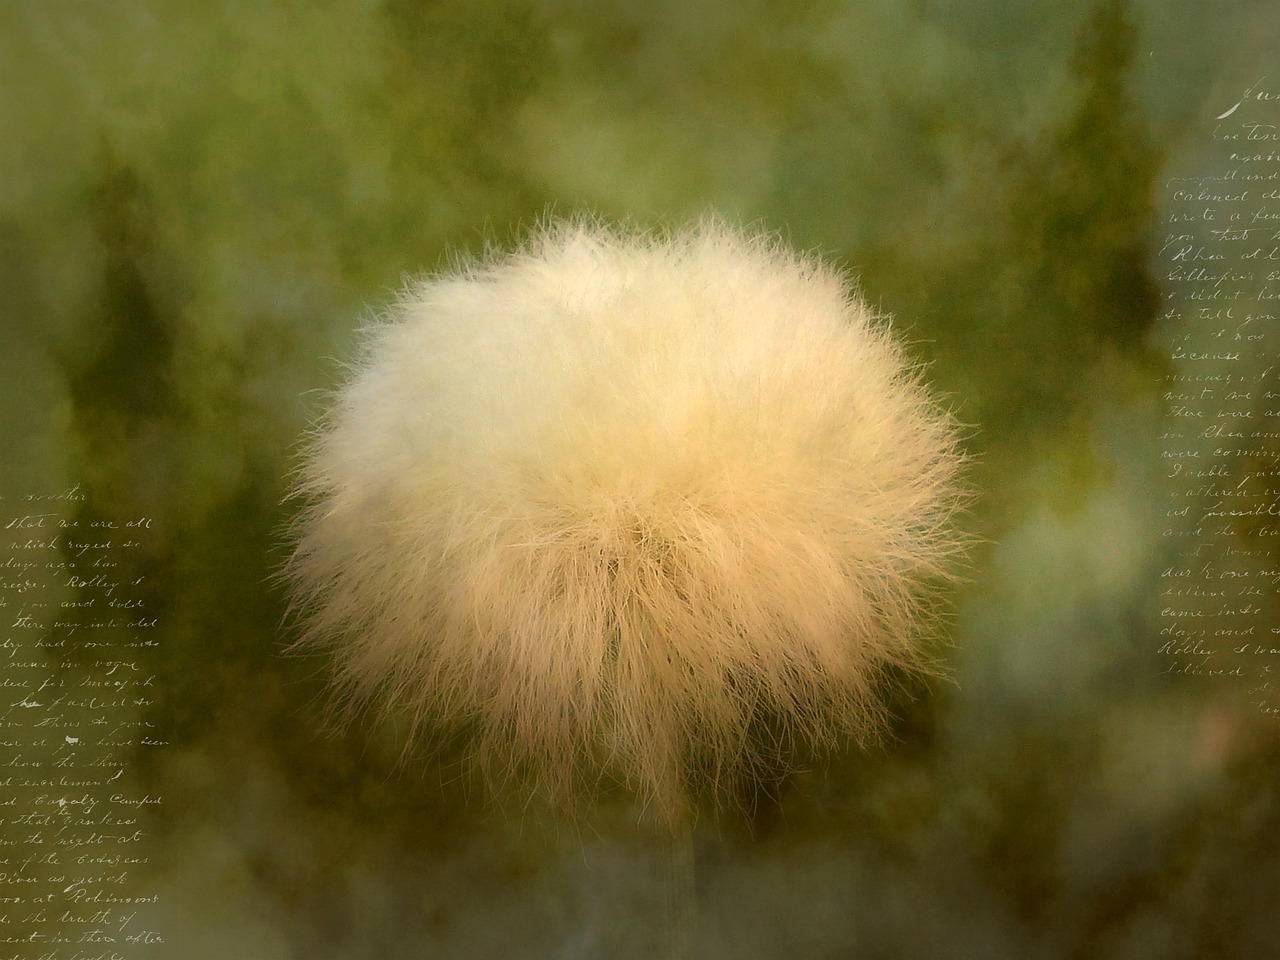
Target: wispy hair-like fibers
point(651, 508)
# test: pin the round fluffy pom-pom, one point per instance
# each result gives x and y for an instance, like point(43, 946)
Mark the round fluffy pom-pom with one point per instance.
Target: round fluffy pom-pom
point(617, 506)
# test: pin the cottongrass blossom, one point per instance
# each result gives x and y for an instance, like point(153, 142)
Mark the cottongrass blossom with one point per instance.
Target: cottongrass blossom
point(632, 508)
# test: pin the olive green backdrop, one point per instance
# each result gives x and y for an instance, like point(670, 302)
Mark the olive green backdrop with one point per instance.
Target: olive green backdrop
point(201, 202)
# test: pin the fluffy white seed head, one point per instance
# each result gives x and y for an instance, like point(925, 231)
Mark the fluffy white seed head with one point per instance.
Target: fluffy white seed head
point(628, 507)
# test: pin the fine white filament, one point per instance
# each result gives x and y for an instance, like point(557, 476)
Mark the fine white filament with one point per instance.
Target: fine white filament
point(624, 507)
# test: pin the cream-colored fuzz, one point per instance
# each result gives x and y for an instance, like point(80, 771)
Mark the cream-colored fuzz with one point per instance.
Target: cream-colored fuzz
point(628, 507)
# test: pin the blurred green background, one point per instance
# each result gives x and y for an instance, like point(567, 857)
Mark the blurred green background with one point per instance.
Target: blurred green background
point(199, 205)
